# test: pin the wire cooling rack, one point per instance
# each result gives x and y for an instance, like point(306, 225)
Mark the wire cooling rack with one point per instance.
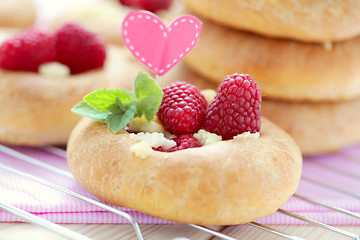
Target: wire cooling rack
point(29, 217)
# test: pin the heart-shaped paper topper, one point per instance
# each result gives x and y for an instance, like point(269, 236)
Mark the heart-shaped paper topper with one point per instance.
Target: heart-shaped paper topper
point(159, 47)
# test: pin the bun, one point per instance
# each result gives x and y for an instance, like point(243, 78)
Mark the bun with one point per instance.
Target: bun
point(35, 110)
point(304, 20)
point(317, 128)
point(283, 69)
point(228, 182)
point(17, 13)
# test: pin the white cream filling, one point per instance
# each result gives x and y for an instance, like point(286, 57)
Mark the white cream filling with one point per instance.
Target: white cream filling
point(247, 135)
point(143, 125)
point(146, 141)
point(54, 69)
point(205, 138)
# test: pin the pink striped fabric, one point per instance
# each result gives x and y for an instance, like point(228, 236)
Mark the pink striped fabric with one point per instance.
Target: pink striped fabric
point(341, 171)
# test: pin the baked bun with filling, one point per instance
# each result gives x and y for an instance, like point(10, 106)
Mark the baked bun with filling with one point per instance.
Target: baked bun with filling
point(225, 182)
point(36, 106)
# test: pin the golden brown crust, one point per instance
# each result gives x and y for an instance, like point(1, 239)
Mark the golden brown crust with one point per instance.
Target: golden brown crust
point(283, 69)
point(17, 13)
point(317, 128)
point(305, 20)
point(35, 110)
point(228, 182)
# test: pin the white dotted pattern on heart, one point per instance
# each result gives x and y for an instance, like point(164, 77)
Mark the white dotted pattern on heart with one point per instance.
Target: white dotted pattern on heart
point(193, 27)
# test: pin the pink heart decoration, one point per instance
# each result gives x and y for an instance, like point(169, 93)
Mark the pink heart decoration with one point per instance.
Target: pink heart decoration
point(159, 47)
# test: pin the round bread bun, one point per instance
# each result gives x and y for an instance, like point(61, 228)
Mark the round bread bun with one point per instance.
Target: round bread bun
point(103, 18)
point(283, 69)
point(17, 13)
point(305, 20)
point(224, 183)
point(35, 110)
point(317, 128)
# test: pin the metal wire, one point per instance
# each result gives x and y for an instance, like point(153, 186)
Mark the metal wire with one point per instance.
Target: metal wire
point(269, 229)
point(59, 152)
point(42, 222)
point(341, 210)
point(74, 194)
point(34, 161)
point(54, 150)
point(213, 232)
point(319, 224)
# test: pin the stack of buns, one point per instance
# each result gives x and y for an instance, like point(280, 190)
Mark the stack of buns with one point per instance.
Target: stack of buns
point(303, 54)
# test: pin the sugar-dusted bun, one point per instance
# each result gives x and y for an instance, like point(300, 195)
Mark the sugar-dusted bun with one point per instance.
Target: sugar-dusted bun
point(283, 69)
point(35, 110)
point(104, 18)
point(305, 20)
point(227, 182)
point(17, 13)
point(317, 128)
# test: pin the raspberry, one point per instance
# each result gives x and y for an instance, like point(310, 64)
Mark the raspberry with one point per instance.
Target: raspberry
point(79, 49)
point(27, 51)
point(182, 142)
point(150, 5)
point(182, 108)
point(235, 108)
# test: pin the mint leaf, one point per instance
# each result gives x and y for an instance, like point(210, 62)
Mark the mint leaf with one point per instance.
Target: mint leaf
point(124, 96)
point(117, 121)
point(116, 107)
point(84, 109)
point(148, 95)
point(149, 106)
point(102, 99)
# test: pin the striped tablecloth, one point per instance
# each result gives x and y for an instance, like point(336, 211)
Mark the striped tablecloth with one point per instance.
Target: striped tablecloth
point(332, 179)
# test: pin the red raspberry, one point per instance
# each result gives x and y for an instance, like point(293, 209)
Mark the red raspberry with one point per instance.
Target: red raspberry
point(235, 108)
point(182, 142)
point(27, 51)
point(182, 108)
point(150, 5)
point(79, 49)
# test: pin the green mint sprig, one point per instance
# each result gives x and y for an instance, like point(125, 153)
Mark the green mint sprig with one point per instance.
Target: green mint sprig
point(116, 107)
